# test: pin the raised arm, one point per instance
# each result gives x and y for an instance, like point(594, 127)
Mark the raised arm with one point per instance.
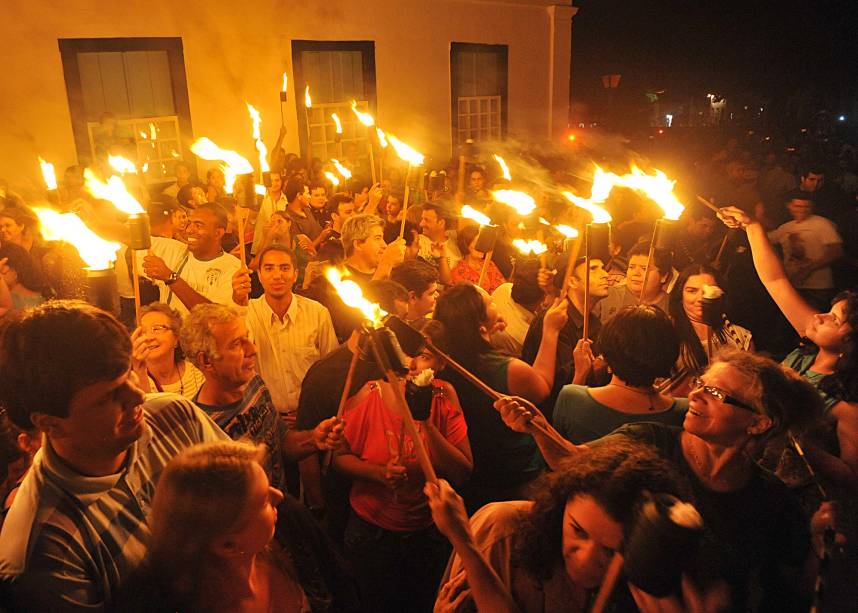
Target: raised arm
point(770, 269)
point(521, 416)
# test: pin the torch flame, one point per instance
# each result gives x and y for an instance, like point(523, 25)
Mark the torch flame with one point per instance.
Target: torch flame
point(524, 204)
point(338, 125)
point(121, 165)
point(528, 247)
point(285, 82)
point(114, 191)
point(48, 174)
point(470, 212)
point(345, 172)
point(351, 294)
point(308, 102)
point(658, 187)
point(567, 231)
point(98, 253)
point(233, 166)
point(153, 133)
point(599, 214)
point(257, 137)
point(334, 179)
point(365, 118)
point(382, 139)
point(504, 168)
point(260, 189)
point(405, 153)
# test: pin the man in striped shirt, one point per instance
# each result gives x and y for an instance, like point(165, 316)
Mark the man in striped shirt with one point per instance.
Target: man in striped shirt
point(78, 525)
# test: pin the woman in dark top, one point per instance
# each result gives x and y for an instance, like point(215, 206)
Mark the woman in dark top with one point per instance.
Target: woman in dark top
point(504, 461)
point(224, 540)
point(758, 537)
point(640, 346)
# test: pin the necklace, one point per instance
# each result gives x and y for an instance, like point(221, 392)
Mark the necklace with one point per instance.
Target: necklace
point(723, 480)
point(649, 394)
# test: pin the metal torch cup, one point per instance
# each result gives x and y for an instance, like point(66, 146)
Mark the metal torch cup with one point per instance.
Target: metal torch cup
point(101, 290)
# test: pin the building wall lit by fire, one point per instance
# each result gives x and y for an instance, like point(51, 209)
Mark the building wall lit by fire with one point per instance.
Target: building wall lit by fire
point(432, 72)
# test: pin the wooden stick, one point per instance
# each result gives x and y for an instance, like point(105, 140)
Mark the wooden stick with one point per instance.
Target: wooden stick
point(570, 265)
point(405, 201)
point(329, 454)
point(486, 260)
point(239, 217)
point(371, 157)
point(135, 278)
point(586, 330)
point(648, 262)
point(717, 262)
point(608, 584)
point(404, 412)
point(707, 203)
point(798, 449)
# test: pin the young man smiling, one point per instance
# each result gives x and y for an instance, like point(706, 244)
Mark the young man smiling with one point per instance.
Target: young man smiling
point(204, 273)
point(78, 526)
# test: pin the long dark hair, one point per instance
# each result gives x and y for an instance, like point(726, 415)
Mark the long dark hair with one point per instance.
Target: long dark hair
point(614, 474)
point(690, 349)
point(462, 310)
point(843, 382)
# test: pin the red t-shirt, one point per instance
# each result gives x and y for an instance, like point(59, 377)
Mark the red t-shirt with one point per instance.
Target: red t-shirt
point(373, 431)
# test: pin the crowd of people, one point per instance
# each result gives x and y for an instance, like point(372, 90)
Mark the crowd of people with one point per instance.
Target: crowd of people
point(235, 444)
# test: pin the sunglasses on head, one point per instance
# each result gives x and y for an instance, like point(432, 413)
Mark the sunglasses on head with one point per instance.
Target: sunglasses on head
point(698, 384)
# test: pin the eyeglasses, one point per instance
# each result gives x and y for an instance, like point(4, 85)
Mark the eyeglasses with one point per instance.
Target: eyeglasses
point(697, 384)
point(157, 329)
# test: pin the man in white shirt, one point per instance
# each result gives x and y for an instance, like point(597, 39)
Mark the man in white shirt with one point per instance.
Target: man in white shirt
point(810, 245)
point(291, 332)
point(517, 303)
point(205, 272)
point(274, 201)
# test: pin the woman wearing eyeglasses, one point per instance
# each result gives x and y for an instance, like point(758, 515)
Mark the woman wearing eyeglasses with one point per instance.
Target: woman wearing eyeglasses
point(758, 541)
point(157, 358)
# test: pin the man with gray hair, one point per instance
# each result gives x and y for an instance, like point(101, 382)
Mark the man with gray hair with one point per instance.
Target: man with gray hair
point(368, 257)
point(216, 340)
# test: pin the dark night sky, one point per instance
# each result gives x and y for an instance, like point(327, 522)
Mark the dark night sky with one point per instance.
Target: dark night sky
point(765, 49)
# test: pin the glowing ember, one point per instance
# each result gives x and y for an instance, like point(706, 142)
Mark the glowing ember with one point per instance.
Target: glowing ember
point(382, 139)
point(122, 165)
point(405, 153)
point(351, 294)
point(153, 133)
point(98, 253)
point(524, 204)
point(257, 138)
point(528, 247)
point(470, 212)
point(504, 168)
point(599, 214)
point(338, 125)
point(345, 172)
point(114, 191)
point(365, 118)
point(48, 174)
point(308, 102)
point(334, 179)
point(145, 167)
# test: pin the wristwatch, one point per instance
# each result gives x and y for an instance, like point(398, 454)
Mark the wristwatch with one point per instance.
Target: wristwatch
point(174, 276)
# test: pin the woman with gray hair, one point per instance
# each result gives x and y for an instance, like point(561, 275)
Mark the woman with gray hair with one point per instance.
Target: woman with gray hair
point(157, 356)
